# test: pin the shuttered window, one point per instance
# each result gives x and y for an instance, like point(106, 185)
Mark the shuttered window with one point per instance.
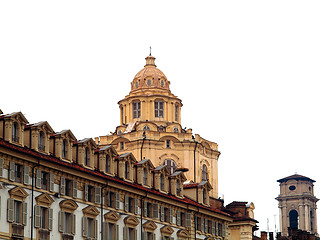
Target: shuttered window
point(89, 228)
point(110, 231)
point(67, 223)
point(16, 211)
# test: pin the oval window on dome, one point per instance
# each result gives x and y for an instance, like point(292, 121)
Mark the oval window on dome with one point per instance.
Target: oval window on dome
point(292, 188)
point(149, 82)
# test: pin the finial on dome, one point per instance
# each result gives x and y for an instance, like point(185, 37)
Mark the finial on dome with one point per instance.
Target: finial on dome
point(150, 60)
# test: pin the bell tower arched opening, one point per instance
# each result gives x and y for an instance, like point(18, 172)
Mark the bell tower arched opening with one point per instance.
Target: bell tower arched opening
point(294, 219)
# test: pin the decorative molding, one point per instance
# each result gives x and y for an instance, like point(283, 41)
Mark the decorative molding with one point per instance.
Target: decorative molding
point(166, 231)
point(90, 211)
point(150, 226)
point(44, 200)
point(183, 233)
point(131, 221)
point(18, 193)
point(112, 217)
point(68, 205)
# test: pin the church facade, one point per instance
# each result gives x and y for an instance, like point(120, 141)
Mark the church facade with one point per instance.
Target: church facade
point(132, 185)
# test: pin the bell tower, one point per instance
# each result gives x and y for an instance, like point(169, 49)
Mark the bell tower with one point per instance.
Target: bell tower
point(297, 204)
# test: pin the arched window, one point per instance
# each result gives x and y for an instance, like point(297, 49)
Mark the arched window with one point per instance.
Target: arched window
point(145, 176)
point(64, 148)
point(171, 165)
point(158, 109)
point(136, 108)
point(107, 163)
point(161, 182)
point(176, 112)
point(204, 175)
point(126, 170)
point(146, 128)
point(86, 157)
point(175, 130)
point(15, 133)
point(41, 141)
point(294, 219)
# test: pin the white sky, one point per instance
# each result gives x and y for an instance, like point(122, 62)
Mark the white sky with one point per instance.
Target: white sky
point(246, 71)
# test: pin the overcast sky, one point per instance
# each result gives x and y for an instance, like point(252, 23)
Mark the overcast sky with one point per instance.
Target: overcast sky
point(247, 73)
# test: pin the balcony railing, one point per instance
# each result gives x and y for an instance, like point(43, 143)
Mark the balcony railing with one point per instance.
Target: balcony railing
point(17, 231)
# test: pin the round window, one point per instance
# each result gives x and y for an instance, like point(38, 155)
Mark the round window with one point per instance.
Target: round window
point(149, 82)
point(292, 188)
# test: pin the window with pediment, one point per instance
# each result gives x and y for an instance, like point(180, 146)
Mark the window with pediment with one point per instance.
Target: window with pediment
point(43, 216)
point(67, 219)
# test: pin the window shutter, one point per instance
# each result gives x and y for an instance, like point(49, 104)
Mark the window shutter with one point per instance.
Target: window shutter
point(162, 213)
point(170, 215)
point(117, 201)
point(117, 232)
point(153, 236)
point(37, 216)
point(50, 218)
point(126, 203)
point(206, 225)
point(145, 208)
point(95, 229)
point(136, 203)
point(84, 226)
point(10, 210)
point(178, 220)
point(155, 212)
point(51, 182)
point(38, 178)
point(202, 224)
point(85, 193)
point(1, 167)
point(223, 230)
point(188, 219)
point(105, 231)
point(97, 191)
point(63, 185)
point(217, 229)
point(125, 233)
point(26, 178)
point(73, 224)
point(61, 222)
point(108, 199)
point(24, 213)
point(11, 174)
point(145, 235)
point(74, 189)
point(213, 228)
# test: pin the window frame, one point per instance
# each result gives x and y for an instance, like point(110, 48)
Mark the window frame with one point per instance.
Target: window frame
point(159, 109)
point(136, 109)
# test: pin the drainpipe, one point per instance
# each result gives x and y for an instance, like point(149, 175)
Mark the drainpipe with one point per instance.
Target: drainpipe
point(144, 138)
point(142, 212)
point(32, 191)
point(101, 206)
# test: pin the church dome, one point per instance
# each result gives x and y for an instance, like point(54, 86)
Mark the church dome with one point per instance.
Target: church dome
point(150, 77)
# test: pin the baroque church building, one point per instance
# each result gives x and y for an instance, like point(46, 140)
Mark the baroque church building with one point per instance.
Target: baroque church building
point(150, 180)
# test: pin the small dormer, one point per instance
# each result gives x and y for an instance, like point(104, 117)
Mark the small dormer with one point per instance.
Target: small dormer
point(106, 159)
point(37, 136)
point(61, 144)
point(176, 183)
point(161, 178)
point(12, 127)
point(199, 192)
point(144, 174)
point(126, 164)
point(83, 152)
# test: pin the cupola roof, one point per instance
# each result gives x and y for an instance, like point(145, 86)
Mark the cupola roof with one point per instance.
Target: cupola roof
point(150, 77)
